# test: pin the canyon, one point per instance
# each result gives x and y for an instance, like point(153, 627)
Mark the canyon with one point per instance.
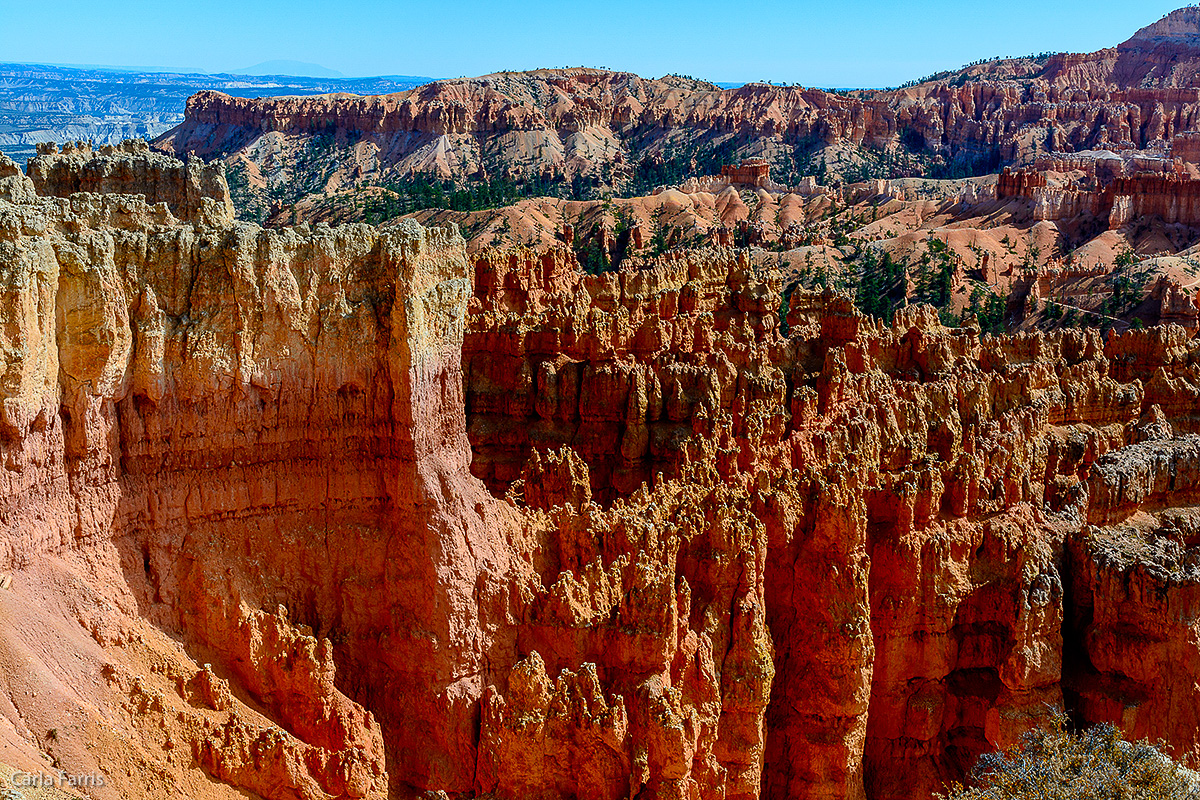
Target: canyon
point(595, 131)
point(355, 511)
point(773, 447)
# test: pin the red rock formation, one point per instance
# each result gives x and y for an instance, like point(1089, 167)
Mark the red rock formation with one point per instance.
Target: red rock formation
point(1142, 96)
point(261, 421)
point(1172, 198)
point(1022, 183)
point(1169, 197)
point(1178, 304)
point(942, 548)
point(751, 172)
point(439, 128)
point(1135, 592)
point(189, 190)
point(1186, 146)
point(733, 559)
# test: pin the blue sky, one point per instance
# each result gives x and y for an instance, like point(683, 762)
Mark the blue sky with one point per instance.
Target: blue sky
point(846, 43)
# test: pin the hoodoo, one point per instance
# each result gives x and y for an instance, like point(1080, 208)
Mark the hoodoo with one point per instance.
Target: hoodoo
point(570, 435)
point(340, 511)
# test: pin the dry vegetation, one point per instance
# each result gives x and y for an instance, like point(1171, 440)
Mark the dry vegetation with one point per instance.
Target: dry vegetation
point(1054, 763)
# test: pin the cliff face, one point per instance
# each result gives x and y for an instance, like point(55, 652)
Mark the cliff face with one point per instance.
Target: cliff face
point(559, 122)
point(564, 101)
point(977, 117)
point(255, 443)
point(187, 189)
point(161, 408)
point(572, 122)
point(721, 557)
point(917, 485)
point(1135, 592)
point(1169, 197)
point(1141, 95)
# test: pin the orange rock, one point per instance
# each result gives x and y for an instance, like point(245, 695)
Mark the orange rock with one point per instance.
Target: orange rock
point(247, 550)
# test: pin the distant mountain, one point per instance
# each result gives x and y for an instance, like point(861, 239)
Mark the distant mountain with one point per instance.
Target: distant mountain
point(299, 69)
point(132, 68)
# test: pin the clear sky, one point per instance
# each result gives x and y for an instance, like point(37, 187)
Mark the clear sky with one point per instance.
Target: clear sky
point(843, 43)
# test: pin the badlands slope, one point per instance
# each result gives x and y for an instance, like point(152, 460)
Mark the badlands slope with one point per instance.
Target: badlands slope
point(348, 512)
point(613, 129)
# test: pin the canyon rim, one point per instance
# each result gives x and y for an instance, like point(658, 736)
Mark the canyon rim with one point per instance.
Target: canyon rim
point(751, 484)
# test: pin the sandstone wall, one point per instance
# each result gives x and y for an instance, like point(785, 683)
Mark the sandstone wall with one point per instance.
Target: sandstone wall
point(188, 189)
point(977, 117)
point(564, 100)
point(260, 438)
point(734, 547)
point(917, 484)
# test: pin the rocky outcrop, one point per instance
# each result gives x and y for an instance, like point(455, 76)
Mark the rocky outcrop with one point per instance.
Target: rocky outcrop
point(926, 478)
point(658, 661)
point(1135, 591)
point(565, 101)
point(14, 186)
point(150, 324)
point(735, 546)
point(565, 122)
point(1148, 475)
point(1143, 97)
point(1171, 198)
point(188, 189)
point(1021, 183)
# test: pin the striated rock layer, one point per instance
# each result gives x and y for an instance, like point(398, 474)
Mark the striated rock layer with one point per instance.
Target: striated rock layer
point(569, 122)
point(255, 443)
point(735, 546)
point(1143, 95)
point(918, 486)
point(1171, 198)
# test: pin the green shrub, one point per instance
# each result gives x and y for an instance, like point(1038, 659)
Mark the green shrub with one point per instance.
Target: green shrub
point(1095, 764)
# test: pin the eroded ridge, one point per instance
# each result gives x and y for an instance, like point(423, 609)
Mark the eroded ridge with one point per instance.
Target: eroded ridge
point(254, 443)
point(736, 546)
point(918, 485)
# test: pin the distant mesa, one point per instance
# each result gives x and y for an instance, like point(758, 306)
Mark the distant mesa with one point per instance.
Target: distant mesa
point(594, 130)
point(300, 69)
point(154, 70)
